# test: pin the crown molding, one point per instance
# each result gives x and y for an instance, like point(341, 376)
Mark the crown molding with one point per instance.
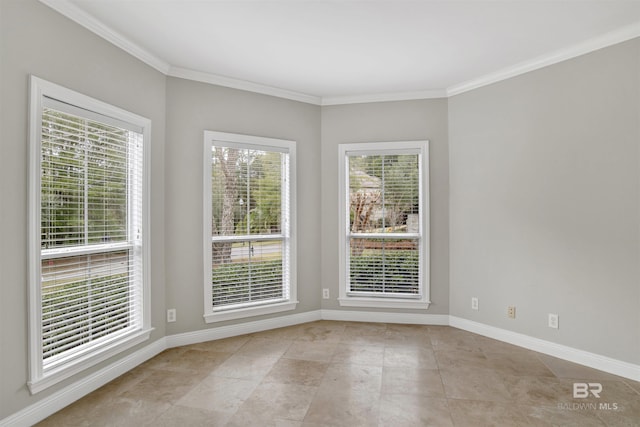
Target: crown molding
point(609, 39)
point(73, 12)
point(384, 97)
point(215, 79)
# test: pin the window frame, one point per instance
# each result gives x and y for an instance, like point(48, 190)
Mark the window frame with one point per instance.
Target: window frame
point(289, 239)
point(39, 377)
point(349, 299)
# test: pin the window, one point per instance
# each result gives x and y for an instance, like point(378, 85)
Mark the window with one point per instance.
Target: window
point(384, 225)
point(88, 291)
point(249, 226)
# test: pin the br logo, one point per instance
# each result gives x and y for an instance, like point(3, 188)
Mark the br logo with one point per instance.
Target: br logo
point(582, 390)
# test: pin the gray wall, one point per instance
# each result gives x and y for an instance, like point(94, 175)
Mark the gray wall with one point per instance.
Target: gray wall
point(192, 108)
point(388, 121)
point(544, 192)
point(36, 40)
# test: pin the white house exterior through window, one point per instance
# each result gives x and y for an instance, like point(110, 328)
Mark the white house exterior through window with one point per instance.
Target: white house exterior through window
point(384, 224)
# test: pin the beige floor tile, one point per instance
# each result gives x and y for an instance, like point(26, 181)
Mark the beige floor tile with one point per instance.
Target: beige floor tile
point(627, 400)
point(321, 332)
point(453, 359)
point(264, 347)
point(79, 413)
point(407, 339)
point(344, 407)
point(196, 361)
point(365, 328)
point(115, 412)
point(490, 345)
point(484, 414)
point(635, 385)
point(407, 329)
point(368, 340)
point(404, 357)
point(332, 325)
point(619, 417)
point(413, 381)
point(357, 378)
point(365, 334)
point(274, 401)
point(328, 373)
point(518, 364)
point(279, 422)
point(556, 417)
point(122, 383)
point(287, 333)
point(453, 339)
point(359, 354)
point(399, 410)
point(540, 391)
point(318, 350)
point(129, 412)
point(219, 394)
point(301, 372)
point(246, 419)
point(245, 367)
point(474, 384)
point(164, 386)
point(163, 359)
point(184, 416)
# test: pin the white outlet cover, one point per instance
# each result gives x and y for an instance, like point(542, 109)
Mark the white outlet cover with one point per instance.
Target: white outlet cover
point(553, 321)
point(474, 303)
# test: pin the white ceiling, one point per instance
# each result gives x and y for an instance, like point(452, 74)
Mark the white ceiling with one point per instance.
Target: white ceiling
point(352, 51)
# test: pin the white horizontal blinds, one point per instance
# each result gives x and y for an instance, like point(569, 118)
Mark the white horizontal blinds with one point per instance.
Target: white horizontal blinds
point(84, 298)
point(91, 216)
point(384, 224)
point(384, 266)
point(249, 265)
point(84, 181)
point(252, 275)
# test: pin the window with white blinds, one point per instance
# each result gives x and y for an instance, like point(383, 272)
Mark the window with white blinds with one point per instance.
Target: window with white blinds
point(87, 195)
point(384, 218)
point(248, 225)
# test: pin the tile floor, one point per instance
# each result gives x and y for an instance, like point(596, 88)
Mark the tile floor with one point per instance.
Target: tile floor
point(355, 374)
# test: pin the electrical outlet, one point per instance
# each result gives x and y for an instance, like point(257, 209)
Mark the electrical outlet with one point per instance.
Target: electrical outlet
point(511, 312)
point(474, 303)
point(171, 315)
point(553, 321)
point(325, 293)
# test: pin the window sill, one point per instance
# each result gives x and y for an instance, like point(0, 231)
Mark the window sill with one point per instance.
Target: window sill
point(100, 354)
point(221, 316)
point(382, 303)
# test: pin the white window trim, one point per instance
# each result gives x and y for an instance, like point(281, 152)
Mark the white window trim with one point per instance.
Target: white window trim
point(38, 379)
point(346, 300)
point(260, 143)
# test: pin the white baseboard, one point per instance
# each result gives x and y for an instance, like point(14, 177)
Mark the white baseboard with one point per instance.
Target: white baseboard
point(384, 317)
point(592, 360)
point(66, 396)
point(53, 403)
point(241, 328)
